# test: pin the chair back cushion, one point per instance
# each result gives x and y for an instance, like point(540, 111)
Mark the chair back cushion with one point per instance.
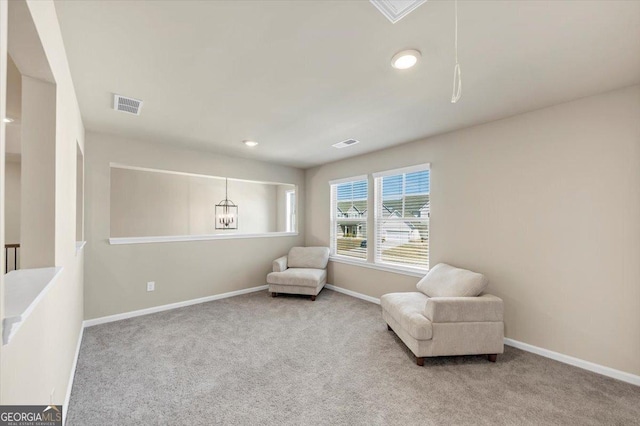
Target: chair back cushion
point(308, 257)
point(448, 281)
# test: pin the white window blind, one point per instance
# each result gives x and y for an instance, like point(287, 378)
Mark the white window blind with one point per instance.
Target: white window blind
point(349, 218)
point(402, 217)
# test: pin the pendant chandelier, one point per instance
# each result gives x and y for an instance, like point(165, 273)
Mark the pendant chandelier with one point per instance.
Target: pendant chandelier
point(226, 211)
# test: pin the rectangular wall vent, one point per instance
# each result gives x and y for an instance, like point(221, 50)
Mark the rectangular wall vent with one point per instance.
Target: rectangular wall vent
point(345, 144)
point(128, 105)
point(395, 10)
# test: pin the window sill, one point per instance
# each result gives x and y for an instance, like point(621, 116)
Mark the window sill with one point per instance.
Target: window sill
point(386, 268)
point(23, 290)
point(180, 238)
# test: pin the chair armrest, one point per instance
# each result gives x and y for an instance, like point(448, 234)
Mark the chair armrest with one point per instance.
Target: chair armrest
point(280, 264)
point(484, 308)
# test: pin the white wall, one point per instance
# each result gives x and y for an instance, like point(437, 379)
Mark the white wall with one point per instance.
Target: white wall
point(37, 233)
point(39, 358)
point(12, 212)
point(116, 275)
point(12, 202)
point(546, 204)
point(152, 203)
point(14, 108)
point(3, 104)
point(79, 194)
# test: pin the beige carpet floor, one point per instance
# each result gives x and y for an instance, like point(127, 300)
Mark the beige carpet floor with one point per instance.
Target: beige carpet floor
point(255, 360)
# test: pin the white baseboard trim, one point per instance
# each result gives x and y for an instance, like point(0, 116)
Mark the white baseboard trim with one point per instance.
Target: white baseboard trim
point(566, 359)
point(576, 362)
point(147, 311)
point(353, 294)
point(72, 375)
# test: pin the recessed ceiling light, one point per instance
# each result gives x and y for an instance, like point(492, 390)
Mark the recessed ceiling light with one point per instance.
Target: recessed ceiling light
point(250, 144)
point(405, 59)
point(7, 120)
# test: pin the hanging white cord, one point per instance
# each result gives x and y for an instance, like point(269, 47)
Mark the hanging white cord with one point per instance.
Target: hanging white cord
point(457, 75)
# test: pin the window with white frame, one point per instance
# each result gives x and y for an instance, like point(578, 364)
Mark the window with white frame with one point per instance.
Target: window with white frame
point(349, 217)
point(291, 211)
point(402, 217)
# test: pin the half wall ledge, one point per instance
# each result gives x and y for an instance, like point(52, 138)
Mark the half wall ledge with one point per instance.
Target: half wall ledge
point(23, 290)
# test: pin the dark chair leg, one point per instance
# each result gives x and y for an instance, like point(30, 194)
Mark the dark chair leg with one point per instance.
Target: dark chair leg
point(313, 298)
point(492, 357)
point(388, 327)
point(420, 361)
point(274, 294)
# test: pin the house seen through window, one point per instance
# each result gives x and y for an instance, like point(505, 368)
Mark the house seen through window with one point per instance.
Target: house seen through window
point(349, 219)
point(402, 219)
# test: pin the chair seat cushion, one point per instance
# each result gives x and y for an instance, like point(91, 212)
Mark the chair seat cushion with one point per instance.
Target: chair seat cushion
point(407, 309)
point(305, 277)
point(448, 281)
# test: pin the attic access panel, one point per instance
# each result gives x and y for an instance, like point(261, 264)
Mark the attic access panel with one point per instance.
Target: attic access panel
point(395, 10)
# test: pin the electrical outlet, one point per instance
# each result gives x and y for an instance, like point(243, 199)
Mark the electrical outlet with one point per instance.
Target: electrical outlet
point(151, 286)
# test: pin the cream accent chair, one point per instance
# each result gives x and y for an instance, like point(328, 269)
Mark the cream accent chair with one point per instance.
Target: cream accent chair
point(450, 315)
point(302, 271)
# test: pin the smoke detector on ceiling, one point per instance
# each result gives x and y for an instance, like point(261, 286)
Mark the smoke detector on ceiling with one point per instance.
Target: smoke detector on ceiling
point(345, 144)
point(395, 10)
point(128, 105)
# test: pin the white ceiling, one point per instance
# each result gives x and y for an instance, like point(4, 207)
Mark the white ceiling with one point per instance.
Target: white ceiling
point(299, 76)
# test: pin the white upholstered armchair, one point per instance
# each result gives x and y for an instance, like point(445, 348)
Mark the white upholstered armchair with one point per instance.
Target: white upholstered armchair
point(449, 315)
point(302, 271)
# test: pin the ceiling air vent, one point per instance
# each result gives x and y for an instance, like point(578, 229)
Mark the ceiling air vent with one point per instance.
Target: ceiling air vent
point(395, 10)
point(128, 105)
point(345, 144)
